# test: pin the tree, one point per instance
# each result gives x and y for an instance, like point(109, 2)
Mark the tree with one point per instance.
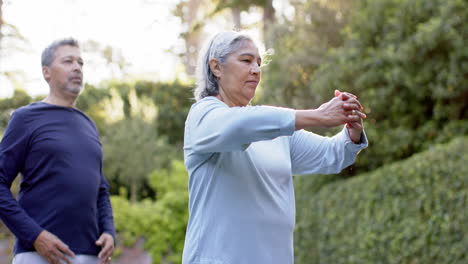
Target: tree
point(8, 105)
point(108, 56)
point(134, 142)
point(11, 41)
point(268, 21)
point(10, 37)
point(194, 14)
point(173, 101)
point(132, 148)
point(189, 14)
point(1, 21)
point(237, 6)
point(404, 61)
point(402, 58)
point(300, 47)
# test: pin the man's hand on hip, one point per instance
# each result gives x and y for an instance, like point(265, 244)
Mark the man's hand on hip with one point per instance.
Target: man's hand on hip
point(106, 242)
point(52, 248)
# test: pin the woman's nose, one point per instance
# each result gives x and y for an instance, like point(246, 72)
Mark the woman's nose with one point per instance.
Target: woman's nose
point(255, 69)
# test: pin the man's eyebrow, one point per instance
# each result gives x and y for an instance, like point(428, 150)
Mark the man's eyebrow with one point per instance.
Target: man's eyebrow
point(71, 56)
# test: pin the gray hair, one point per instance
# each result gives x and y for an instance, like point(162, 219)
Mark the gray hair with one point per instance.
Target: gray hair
point(219, 47)
point(48, 55)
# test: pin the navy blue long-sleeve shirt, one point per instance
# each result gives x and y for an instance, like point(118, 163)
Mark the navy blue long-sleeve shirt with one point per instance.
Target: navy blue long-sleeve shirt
point(57, 151)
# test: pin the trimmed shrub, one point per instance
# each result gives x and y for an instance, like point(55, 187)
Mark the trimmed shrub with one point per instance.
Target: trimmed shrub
point(412, 211)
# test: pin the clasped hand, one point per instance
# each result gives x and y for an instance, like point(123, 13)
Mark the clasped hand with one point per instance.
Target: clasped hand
point(344, 108)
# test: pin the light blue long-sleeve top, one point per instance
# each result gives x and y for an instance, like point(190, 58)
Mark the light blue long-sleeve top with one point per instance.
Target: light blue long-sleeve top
point(240, 162)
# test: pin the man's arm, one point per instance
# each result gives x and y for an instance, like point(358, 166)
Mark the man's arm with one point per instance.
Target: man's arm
point(106, 218)
point(13, 149)
point(106, 223)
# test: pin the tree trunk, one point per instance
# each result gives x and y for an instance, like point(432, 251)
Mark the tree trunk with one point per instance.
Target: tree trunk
point(236, 16)
point(268, 21)
point(192, 37)
point(1, 23)
point(133, 192)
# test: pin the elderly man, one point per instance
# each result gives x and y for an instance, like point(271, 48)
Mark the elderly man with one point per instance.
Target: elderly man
point(63, 212)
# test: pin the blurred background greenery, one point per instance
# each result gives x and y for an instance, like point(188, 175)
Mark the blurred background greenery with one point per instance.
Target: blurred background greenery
point(405, 199)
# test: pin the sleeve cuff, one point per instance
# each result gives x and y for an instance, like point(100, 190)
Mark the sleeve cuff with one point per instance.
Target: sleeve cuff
point(112, 233)
point(29, 242)
point(353, 146)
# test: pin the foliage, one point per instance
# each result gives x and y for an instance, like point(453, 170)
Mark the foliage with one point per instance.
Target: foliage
point(173, 101)
point(241, 4)
point(408, 212)
point(11, 42)
point(162, 223)
point(110, 57)
point(132, 148)
point(405, 59)
point(134, 145)
point(300, 47)
point(90, 102)
point(8, 105)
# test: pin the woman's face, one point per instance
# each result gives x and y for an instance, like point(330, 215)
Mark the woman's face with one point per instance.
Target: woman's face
point(239, 75)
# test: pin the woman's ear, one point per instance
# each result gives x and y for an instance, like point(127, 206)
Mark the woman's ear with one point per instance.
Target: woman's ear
point(215, 67)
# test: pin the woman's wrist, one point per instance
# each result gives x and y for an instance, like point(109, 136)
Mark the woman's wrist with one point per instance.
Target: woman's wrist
point(307, 118)
point(354, 134)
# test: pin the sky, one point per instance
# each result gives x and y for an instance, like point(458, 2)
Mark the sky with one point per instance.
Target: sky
point(143, 30)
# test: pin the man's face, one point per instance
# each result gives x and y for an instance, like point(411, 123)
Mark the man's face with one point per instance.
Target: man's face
point(65, 74)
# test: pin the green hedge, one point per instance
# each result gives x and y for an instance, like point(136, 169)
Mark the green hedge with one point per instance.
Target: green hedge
point(413, 211)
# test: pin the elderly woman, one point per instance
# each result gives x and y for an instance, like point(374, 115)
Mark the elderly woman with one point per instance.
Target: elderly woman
point(241, 158)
